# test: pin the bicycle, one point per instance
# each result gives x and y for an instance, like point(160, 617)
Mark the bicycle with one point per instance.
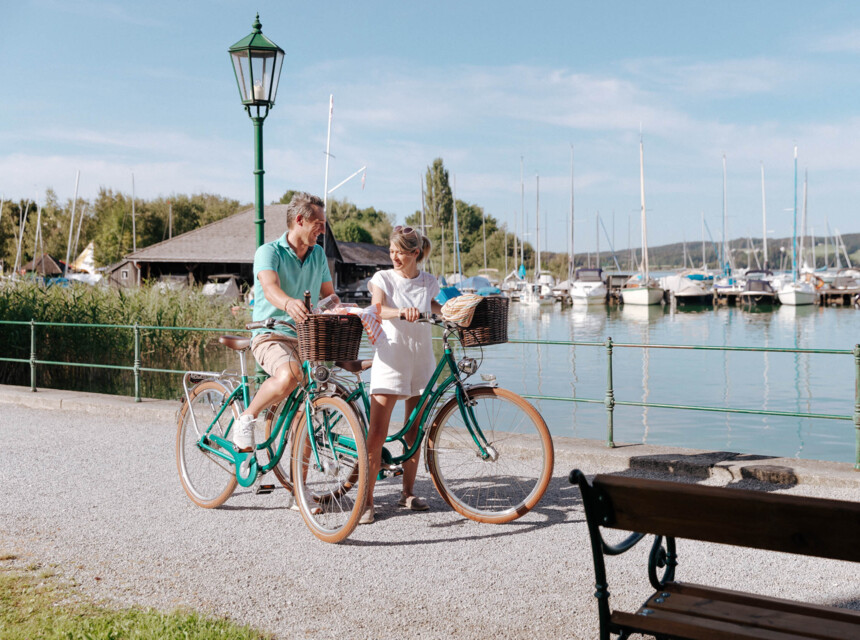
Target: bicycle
point(312, 422)
point(488, 451)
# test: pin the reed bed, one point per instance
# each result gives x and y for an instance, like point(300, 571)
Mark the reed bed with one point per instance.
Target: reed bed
point(148, 305)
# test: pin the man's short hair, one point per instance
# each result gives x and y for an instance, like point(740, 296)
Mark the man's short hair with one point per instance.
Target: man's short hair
point(302, 204)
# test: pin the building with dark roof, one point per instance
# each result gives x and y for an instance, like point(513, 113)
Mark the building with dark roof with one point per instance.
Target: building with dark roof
point(227, 247)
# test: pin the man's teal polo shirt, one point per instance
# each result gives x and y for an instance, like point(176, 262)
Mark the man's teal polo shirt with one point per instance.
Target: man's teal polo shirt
point(296, 277)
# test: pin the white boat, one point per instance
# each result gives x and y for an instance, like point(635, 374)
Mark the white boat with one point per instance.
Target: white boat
point(691, 286)
point(588, 287)
point(796, 292)
point(532, 296)
point(641, 289)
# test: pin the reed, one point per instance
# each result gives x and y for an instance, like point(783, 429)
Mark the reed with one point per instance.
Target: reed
point(147, 305)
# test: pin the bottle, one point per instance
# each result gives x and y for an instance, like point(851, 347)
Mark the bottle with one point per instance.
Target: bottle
point(308, 301)
point(329, 302)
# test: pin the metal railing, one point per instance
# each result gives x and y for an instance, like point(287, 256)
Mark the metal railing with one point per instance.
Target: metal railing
point(608, 401)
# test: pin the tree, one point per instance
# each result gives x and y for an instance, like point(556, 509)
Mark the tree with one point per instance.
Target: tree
point(351, 231)
point(438, 200)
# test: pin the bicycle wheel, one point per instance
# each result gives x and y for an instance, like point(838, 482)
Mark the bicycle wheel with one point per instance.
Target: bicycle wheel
point(322, 491)
point(513, 477)
point(282, 469)
point(207, 479)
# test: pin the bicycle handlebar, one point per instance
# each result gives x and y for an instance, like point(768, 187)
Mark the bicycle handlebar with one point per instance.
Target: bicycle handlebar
point(269, 323)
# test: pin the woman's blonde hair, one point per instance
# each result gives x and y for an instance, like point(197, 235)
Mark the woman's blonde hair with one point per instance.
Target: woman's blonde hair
point(408, 239)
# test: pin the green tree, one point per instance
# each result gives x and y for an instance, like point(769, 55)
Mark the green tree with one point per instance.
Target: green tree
point(351, 231)
point(438, 201)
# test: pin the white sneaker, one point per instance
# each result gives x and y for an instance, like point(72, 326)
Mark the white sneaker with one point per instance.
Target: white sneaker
point(243, 432)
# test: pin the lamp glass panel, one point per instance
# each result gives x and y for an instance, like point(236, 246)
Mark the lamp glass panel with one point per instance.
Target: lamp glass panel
point(279, 59)
point(262, 63)
point(243, 73)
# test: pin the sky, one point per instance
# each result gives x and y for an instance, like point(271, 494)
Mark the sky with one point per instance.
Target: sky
point(112, 89)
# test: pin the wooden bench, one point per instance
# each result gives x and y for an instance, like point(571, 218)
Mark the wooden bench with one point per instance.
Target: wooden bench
point(753, 519)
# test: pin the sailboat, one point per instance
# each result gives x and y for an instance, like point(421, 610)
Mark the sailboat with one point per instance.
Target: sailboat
point(533, 295)
point(796, 292)
point(641, 289)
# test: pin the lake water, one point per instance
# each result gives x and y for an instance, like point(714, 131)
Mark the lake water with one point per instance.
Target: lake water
point(812, 383)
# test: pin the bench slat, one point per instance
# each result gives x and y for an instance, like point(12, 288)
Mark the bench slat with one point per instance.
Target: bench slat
point(845, 615)
point(782, 616)
point(793, 524)
point(692, 628)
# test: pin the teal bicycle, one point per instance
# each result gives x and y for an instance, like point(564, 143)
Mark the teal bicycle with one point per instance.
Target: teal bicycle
point(328, 457)
point(487, 450)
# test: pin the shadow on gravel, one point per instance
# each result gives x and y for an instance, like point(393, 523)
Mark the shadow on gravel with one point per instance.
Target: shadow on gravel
point(848, 604)
point(555, 508)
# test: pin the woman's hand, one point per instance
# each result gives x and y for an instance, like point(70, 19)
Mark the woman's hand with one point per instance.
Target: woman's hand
point(410, 314)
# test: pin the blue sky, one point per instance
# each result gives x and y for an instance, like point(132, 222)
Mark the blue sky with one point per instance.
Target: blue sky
point(111, 88)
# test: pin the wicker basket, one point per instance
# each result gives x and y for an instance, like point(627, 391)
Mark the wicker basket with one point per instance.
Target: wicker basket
point(489, 324)
point(329, 337)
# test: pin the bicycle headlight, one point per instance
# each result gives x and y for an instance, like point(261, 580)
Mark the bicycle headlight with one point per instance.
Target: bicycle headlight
point(321, 373)
point(468, 366)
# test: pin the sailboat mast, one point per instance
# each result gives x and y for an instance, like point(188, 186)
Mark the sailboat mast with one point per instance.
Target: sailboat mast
point(133, 223)
point(642, 201)
point(537, 228)
point(801, 256)
point(704, 260)
point(522, 214)
point(794, 230)
point(71, 224)
point(327, 157)
point(763, 220)
point(597, 234)
point(484, 236)
point(570, 268)
point(726, 254)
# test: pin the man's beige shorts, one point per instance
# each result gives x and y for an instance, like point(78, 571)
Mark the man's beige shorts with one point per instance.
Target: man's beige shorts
point(274, 350)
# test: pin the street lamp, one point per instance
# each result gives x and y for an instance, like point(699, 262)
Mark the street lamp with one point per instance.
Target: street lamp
point(257, 65)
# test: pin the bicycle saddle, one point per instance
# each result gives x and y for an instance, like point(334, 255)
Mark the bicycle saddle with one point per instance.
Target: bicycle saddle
point(354, 366)
point(235, 342)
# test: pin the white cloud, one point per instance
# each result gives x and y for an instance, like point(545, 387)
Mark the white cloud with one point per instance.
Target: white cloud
point(842, 42)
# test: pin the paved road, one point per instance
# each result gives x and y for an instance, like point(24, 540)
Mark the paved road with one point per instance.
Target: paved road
point(98, 495)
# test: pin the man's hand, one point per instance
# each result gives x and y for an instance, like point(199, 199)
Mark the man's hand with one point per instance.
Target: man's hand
point(296, 310)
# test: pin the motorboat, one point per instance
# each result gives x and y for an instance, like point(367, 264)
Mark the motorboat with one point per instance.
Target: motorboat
point(533, 296)
point(758, 289)
point(588, 287)
point(691, 286)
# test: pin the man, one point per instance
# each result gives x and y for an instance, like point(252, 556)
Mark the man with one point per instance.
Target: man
point(283, 271)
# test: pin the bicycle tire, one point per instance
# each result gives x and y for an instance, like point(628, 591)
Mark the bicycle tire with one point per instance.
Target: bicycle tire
point(330, 511)
point(207, 479)
point(515, 477)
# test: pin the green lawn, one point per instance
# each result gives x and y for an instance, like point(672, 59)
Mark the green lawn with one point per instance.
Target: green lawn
point(37, 603)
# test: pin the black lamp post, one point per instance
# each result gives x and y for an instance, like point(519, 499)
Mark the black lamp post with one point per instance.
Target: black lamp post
point(257, 65)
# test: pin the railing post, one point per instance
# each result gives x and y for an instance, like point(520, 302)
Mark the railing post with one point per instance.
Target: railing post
point(136, 363)
point(32, 355)
point(609, 401)
point(857, 407)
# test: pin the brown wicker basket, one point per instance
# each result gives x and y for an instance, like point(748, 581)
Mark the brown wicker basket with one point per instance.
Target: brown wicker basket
point(489, 324)
point(329, 337)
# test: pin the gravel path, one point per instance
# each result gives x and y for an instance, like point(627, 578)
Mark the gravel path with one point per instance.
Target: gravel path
point(99, 496)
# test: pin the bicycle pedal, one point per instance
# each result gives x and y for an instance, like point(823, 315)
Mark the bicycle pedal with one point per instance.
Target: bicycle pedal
point(390, 471)
point(263, 489)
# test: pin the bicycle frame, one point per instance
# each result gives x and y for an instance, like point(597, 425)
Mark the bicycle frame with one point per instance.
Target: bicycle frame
point(248, 460)
point(426, 406)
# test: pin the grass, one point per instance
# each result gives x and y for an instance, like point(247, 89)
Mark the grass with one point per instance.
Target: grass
point(36, 603)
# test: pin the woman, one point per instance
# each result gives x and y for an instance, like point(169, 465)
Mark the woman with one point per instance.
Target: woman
point(404, 362)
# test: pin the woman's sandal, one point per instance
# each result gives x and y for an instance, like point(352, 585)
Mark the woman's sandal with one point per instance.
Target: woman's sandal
point(413, 503)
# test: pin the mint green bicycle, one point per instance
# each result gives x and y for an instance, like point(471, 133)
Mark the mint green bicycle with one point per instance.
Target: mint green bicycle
point(488, 450)
point(328, 457)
